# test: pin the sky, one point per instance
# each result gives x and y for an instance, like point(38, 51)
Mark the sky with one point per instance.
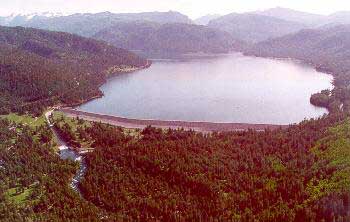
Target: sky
point(192, 8)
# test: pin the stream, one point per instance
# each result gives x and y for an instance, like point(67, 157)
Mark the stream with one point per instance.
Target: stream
point(67, 153)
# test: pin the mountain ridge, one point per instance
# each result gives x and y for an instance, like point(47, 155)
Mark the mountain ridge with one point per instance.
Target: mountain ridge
point(175, 38)
point(253, 27)
point(292, 15)
point(88, 24)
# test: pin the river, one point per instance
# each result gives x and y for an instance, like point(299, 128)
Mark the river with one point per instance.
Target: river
point(66, 153)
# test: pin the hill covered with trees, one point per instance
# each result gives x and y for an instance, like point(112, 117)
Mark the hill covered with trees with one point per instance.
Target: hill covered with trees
point(296, 174)
point(42, 68)
point(34, 180)
point(327, 49)
point(174, 38)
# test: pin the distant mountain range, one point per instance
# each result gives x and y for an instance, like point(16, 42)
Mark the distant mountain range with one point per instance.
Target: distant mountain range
point(255, 28)
point(23, 19)
point(314, 20)
point(293, 15)
point(175, 38)
point(212, 33)
point(89, 24)
point(137, 31)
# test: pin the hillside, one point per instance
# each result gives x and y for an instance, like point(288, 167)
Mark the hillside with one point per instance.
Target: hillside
point(328, 49)
point(173, 38)
point(89, 24)
point(293, 15)
point(255, 28)
point(41, 68)
point(296, 174)
point(310, 19)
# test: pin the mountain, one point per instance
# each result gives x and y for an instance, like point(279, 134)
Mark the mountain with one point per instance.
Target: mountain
point(159, 17)
point(327, 49)
point(89, 24)
point(132, 35)
point(43, 68)
point(255, 28)
point(312, 20)
point(339, 18)
point(14, 20)
point(204, 20)
point(80, 24)
point(293, 15)
point(2, 20)
point(175, 38)
point(22, 19)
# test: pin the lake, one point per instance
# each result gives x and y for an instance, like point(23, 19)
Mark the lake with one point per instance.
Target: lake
point(221, 88)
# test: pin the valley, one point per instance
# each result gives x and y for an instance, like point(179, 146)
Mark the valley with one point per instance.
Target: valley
point(154, 116)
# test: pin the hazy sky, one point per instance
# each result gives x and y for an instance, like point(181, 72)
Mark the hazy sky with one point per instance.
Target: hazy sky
point(192, 8)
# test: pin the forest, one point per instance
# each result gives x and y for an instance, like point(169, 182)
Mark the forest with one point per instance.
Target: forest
point(40, 68)
point(33, 178)
point(295, 174)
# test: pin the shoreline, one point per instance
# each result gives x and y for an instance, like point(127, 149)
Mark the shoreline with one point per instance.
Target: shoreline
point(166, 124)
point(199, 126)
point(99, 93)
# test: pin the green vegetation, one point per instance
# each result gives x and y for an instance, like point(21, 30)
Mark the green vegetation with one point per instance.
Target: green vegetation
point(39, 69)
point(19, 195)
point(282, 175)
point(74, 123)
point(25, 119)
point(335, 150)
point(34, 180)
point(296, 174)
point(71, 130)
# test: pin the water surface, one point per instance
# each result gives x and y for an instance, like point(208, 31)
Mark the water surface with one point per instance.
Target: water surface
point(223, 88)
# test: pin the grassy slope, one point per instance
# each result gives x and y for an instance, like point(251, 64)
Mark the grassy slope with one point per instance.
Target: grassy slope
point(19, 198)
point(25, 119)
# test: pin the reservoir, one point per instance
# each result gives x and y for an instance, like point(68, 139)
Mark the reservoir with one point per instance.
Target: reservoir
point(221, 88)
